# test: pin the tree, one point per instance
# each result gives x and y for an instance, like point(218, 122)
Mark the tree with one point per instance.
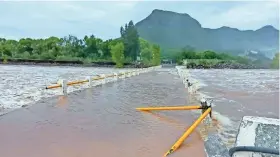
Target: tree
point(5, 59)
point(210, 55)
point(71, 48)
point(145, 51)
point(156, 55)
point(25, 55)
point(275, 61)
point(242, 60)
point(105, 48)
point(189, 54)
point(117, 52)
point(122, 32)
point(130, 38)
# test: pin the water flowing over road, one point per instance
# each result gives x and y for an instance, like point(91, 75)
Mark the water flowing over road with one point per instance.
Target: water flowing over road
point(102, 121)
point(238, 93)
point(21, 84)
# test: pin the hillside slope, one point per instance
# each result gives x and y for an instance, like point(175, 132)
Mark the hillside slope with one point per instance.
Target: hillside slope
point(174, 30)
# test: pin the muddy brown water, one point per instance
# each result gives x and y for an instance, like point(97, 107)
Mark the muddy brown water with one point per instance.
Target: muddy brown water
point(102, 121)
point(238, 93)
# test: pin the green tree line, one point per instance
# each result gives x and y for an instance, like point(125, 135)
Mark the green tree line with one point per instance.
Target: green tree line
point(128, 48)
point(191, 54)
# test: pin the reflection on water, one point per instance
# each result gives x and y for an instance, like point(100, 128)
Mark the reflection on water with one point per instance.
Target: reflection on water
point(62, 101)
point(163, 118)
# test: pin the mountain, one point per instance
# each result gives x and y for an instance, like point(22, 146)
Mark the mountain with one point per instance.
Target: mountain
point(173, 30)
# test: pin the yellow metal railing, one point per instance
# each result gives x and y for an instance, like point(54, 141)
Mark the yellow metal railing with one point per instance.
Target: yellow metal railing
point(169, 108)
point(187, 133)
point(98, 77)
point(205, 109)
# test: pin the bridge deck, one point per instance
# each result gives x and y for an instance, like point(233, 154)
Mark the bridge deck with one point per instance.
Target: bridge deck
point(102, 121)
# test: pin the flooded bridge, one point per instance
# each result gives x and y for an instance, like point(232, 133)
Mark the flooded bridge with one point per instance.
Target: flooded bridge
point(102, 121)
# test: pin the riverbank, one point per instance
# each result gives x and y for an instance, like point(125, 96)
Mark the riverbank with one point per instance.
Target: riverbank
point(77, 63)
point(219, 64)
point(223, 66)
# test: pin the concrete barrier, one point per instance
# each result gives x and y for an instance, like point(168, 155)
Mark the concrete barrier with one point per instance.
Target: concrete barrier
point(63, 84)
point(257, 132)
point(89, 81)
point(116, 76)
point(191, 84)
point(103, 81)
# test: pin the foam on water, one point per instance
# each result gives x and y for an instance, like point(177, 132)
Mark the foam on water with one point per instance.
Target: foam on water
point(21, 85)
point(227, 88)
point(223, 120)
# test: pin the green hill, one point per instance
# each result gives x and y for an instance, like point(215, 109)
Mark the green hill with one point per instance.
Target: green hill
point(175, 30)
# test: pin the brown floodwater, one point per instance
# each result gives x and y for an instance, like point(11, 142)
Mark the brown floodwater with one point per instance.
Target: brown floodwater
point(102, 121)
point(238, 93)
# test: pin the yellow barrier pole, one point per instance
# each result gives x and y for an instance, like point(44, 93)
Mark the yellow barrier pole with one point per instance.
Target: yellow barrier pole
point(169, 108)
point(187, 133)
point(53, 86)
point(76, 82)
point(69, 84)
point(112, 75)
point(97, 78)
point(79, 82)
point(84, 81)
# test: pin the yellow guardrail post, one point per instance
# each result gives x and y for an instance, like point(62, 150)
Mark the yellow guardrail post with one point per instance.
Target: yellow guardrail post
point(97, 78)
point(187, 133)
point(76, 82)
point(53, 86)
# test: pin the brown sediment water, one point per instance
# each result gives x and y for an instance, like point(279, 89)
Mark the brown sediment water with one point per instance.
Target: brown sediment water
point(102, 121)
point(238, 93)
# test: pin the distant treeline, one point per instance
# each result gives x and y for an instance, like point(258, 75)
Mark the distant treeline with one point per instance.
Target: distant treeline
point(190, 54)
point(129, 48)
point(205, 57)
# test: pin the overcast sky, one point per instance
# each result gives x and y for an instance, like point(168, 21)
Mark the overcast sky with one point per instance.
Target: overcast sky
point(38, 19)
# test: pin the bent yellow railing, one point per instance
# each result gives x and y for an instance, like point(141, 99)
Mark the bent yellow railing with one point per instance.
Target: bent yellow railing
point(187, 133)
point(169, 108)
point(205, 109)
